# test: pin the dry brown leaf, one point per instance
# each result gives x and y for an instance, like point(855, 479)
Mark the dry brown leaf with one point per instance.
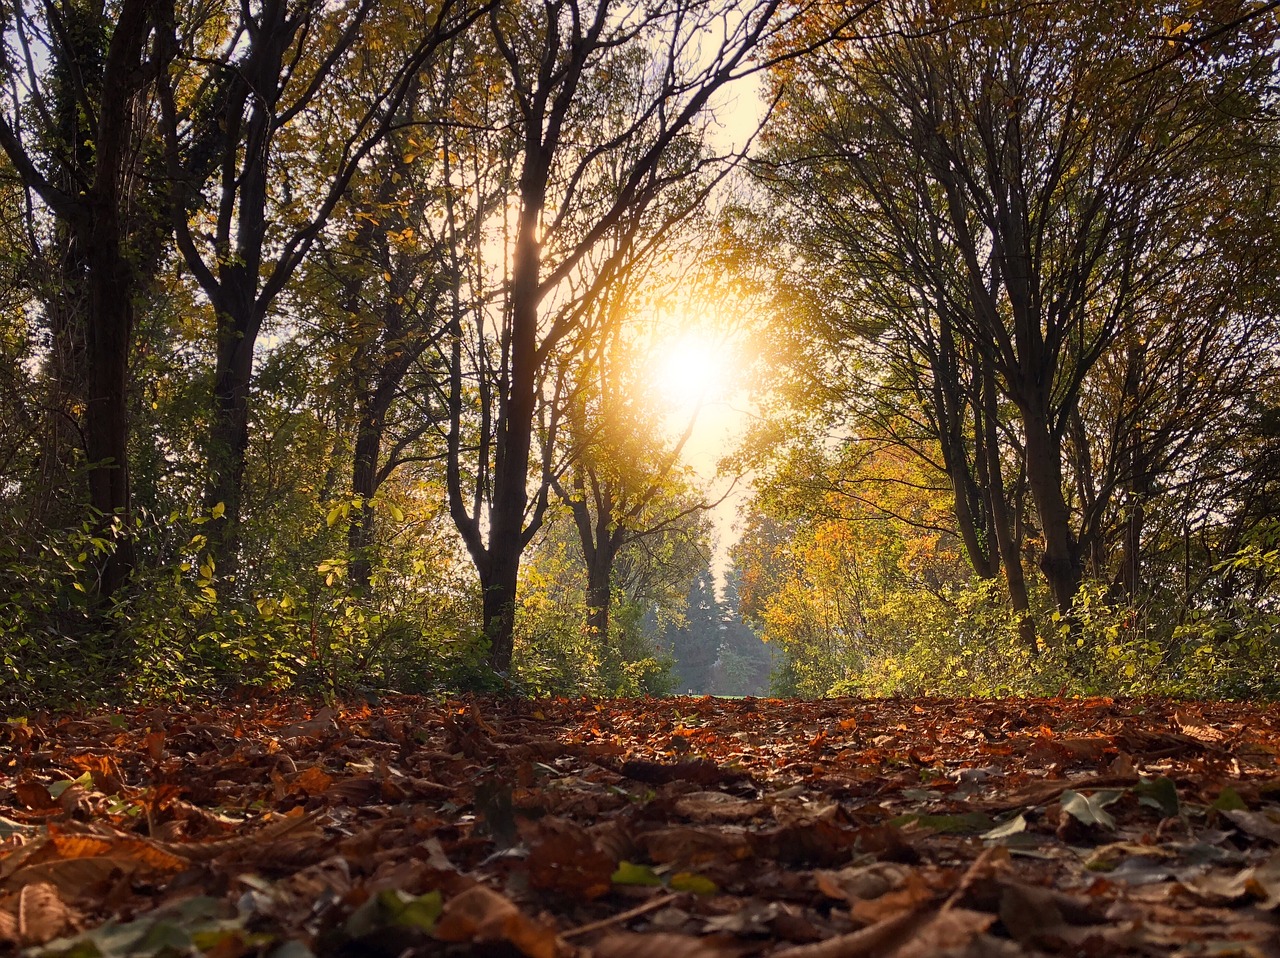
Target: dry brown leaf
point(151, 855)
point(913, 893)
point(861, 882)
point(694, 847)
point(564, 859)
point(8, 925)
point(312, 781)
point(291, 825)
point(952, 929)
point(35, 796)
point(707, 807)
point(153, 743)
point(74, 877)
point(480, 914)
point(872, 940)
point(622, 945)
point(43, 915)
point(1195, 727)
point(358, 791)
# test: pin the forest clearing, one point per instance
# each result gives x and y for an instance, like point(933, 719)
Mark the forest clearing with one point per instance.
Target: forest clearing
point(743, 477)
point(679, 827)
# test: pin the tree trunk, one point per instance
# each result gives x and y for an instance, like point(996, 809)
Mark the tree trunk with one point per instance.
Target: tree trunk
point(514, 441)
point(500, 605)
point(106, 429)
point(1003, 519)
point(229, 441)
point(1061, 561)
point(599, 592)
point(965, 492)
point(364, 486)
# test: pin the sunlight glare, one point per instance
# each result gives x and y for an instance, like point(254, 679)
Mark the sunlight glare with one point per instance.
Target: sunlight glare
point(687, 373)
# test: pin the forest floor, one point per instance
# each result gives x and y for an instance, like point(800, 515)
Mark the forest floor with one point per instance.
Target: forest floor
point(669, 828)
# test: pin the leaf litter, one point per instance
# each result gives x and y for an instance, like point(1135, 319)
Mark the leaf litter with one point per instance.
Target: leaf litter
point(673, 828)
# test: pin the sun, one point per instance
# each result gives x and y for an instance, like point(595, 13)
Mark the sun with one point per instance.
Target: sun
point(688, 372)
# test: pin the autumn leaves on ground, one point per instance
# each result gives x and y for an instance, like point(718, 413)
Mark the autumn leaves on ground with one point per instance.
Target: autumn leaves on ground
point(672, 827)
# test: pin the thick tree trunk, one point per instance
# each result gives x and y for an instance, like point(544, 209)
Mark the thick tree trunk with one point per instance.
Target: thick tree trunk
point(514, 442)
point(106, 429)
point(1061, 561)
point(229, 443)
point(600, 591)
point(499, 607)
point(364, 486)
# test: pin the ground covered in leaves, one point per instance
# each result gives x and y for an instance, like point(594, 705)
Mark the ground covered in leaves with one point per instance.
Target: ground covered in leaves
point(668, 828)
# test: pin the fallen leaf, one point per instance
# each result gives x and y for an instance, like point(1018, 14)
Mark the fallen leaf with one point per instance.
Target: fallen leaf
point(1264, 824)
point(480, 915)
point(663, 946)
point(1090, 809)
point(43, 915)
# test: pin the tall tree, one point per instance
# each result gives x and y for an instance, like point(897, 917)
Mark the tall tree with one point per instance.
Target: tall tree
point(1013, 201)
point(300, 93)
point(610, 105)
point(75, 122)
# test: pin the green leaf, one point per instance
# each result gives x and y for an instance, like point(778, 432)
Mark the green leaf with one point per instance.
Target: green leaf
point(1229, 800)
point(631, 874)
point(1091, 809)
point(57, 788)
point(395, 907)
point(420, 912)
point(1159, 793)
point(219, 510)
point(698, 884)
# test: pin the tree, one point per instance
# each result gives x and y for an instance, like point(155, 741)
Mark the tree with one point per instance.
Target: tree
point(75, 124)
point(609, 108)
point(300, 84)
point(1013, 202)
point(625, 484)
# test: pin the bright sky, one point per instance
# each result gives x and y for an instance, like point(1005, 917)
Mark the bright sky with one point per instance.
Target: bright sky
point(696, 375)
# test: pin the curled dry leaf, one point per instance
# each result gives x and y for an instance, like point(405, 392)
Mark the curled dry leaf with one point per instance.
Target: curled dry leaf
point(913, 893)
point(480, 914)
point(860, 882)
point(874, 940)
point(695, 847)
point(43, 915)
point(948, 932)
point(717, 807)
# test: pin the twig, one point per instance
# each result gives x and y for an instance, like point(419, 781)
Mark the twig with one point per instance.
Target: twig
point(652, 904)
